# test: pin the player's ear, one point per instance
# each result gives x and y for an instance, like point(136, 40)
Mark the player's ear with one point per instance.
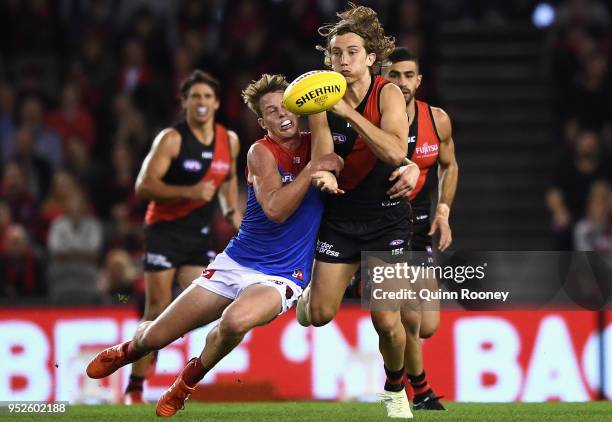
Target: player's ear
point(419, 79)
point(216, 105)
point(370, 59)
point(262, 123)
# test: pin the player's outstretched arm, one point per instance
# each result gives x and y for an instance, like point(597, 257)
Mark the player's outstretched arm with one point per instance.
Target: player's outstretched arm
point(277, 201)
point(387, 142)
point(149, 184)
point(228, 191)
point(320, 135)
point(448, 173)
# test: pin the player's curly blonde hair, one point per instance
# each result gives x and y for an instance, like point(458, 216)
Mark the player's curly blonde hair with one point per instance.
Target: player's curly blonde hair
point(363, 21)
point(257, 89)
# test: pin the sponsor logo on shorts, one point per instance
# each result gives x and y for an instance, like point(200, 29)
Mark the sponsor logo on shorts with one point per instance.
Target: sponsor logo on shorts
point(430, 259)
point(422, 217)
point(207, 155)
point(339, 138)
point(158, 260)
point(208, 273)
point(389, 203)
point(192, 165)
point(396, 242)
point(299, 274)
point(327, 249)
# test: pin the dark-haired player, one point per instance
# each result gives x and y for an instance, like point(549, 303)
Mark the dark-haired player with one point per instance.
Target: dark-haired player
point(429, 142)
point(263, 269)
point(188, 166)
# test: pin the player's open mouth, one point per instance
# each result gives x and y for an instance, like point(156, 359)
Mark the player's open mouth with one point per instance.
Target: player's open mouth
point(201, 110)
point(286, 124)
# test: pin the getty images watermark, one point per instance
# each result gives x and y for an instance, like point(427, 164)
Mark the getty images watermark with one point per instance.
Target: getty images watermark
point(486, 280)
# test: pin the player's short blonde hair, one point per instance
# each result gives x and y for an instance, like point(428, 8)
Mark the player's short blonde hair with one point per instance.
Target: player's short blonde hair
point(264, 85)
point(363, 21)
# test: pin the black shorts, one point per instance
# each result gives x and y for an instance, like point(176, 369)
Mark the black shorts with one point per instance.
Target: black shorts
point(343, 240)
point(169, 245)
point(420, 220)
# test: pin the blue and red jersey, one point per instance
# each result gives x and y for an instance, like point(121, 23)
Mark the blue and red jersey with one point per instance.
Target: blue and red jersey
point(285, 249)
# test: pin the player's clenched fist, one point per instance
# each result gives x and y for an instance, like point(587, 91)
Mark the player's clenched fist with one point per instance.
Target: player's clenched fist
point(203, 191)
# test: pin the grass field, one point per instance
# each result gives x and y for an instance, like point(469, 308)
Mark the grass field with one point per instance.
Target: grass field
point(322, 411)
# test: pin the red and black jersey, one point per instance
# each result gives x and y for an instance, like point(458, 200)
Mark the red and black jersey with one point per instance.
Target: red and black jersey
point(365, 178)
point(423, 149)
point(194, 163)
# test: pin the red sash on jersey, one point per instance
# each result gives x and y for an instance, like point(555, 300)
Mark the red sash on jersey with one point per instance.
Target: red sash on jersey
point(360, 161)
point(427, 146)
point(217, 172)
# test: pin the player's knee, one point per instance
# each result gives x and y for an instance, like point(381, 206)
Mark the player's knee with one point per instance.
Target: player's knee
point(385, 324)
point(234, 324)
point(429, 329)
point(411, 320)
point(321, 315)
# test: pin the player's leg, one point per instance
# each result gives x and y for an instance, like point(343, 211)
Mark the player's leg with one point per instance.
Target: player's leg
point(321, 300)
point(257, 305)
point(187, 273)
point(158, 295)
point(391, 342)
point(421, 323)
point(194, 307)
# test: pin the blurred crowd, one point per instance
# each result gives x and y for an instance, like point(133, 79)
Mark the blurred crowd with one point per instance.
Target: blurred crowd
point(86, 84)
point(580, 198)
point(84, 87)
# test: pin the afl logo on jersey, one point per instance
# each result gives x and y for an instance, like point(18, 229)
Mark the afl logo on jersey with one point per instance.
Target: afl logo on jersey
point(192, 165)
point(339, 138)
point(287, 178)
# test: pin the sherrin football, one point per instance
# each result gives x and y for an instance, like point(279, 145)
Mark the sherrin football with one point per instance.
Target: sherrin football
point(314, 92)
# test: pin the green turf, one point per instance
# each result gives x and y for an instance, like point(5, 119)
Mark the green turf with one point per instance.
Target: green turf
point(322, 411)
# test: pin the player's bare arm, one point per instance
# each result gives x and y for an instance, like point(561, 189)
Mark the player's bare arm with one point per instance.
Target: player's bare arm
point(149, 183)
point(228, 191)
point(448, 172)
point(277, 201)
point(387, 142)
point(320, 135)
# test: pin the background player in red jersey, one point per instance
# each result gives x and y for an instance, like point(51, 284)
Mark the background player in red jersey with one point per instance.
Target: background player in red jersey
point(188, 165)
point(368, 128)
point(254, 279)
point(429, 142)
